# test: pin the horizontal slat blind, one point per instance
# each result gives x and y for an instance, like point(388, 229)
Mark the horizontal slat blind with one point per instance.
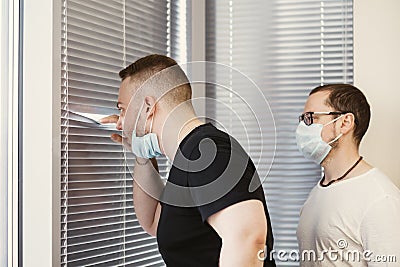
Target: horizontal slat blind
point(287, 47)
point(99, 38)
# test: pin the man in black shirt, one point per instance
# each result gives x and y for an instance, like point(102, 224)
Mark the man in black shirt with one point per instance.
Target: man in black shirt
point(212, 211)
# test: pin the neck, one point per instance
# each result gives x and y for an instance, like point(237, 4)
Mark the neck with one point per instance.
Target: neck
point(339, 161)
point(177, 126)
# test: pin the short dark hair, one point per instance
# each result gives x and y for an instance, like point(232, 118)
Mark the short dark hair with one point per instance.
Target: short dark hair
point(145, 67)
point(346, 97)
point(151, 63)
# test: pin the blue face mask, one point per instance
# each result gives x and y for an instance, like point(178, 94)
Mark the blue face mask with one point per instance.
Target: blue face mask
point(145, 146)
point(310, 143)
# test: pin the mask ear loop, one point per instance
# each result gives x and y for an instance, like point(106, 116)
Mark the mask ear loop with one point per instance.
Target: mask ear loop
point(337, 138)
point(340, 135)
point(332, 121)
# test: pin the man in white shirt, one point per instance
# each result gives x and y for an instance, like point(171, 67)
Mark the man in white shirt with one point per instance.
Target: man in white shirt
point(352, 216)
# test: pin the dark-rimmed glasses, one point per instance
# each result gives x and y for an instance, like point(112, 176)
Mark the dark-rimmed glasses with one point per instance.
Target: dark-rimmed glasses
point(308, 119)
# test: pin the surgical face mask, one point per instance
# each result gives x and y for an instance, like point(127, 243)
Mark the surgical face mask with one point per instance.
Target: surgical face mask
point(145, 146)
point(310, 143)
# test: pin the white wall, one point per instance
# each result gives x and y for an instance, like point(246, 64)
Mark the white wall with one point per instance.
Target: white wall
point(377, 73)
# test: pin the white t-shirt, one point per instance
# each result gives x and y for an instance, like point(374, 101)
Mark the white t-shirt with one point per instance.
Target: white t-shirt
point(354, 222)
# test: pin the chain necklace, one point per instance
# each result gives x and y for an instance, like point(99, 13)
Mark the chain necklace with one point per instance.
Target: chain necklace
point(341, 177)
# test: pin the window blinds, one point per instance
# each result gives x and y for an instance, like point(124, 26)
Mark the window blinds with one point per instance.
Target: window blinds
point(99, 38)
point(287, 47)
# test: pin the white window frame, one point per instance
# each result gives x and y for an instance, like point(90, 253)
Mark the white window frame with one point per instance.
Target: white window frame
point(41, 133)
point(198, 52)
point(9, 136)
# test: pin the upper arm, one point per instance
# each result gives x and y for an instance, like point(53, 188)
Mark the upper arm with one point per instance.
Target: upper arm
point(379, 230)
point(242, 220)
point(223, 194)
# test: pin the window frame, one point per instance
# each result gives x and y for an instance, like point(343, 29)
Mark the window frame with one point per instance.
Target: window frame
point(42, 131)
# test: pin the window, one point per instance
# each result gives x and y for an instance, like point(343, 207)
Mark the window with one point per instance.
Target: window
point(99, 38)
point(287, 47)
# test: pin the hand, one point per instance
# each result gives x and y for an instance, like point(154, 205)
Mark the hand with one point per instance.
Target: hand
point(113, 119)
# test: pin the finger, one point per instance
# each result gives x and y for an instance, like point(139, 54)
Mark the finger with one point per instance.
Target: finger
point(116, 138)
point(109, 119)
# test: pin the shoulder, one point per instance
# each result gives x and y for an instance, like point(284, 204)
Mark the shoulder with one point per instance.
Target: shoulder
point(210, 140)
point(381, 184)
point(385, 201)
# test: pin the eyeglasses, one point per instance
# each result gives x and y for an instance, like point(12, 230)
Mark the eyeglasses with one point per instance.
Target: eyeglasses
point(308, 116)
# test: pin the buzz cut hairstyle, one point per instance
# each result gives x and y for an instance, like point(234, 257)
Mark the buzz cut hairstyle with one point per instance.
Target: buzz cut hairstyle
point(145, 67)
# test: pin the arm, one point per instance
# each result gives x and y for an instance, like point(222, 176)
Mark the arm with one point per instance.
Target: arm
point(147, 187)
point(243, 230)
point(380, 232)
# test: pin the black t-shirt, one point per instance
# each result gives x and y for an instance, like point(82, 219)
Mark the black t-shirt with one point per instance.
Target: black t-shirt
point(210, 172)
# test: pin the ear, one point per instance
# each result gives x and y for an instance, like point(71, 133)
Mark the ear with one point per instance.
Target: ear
point(347, 123)
point(149, 106)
